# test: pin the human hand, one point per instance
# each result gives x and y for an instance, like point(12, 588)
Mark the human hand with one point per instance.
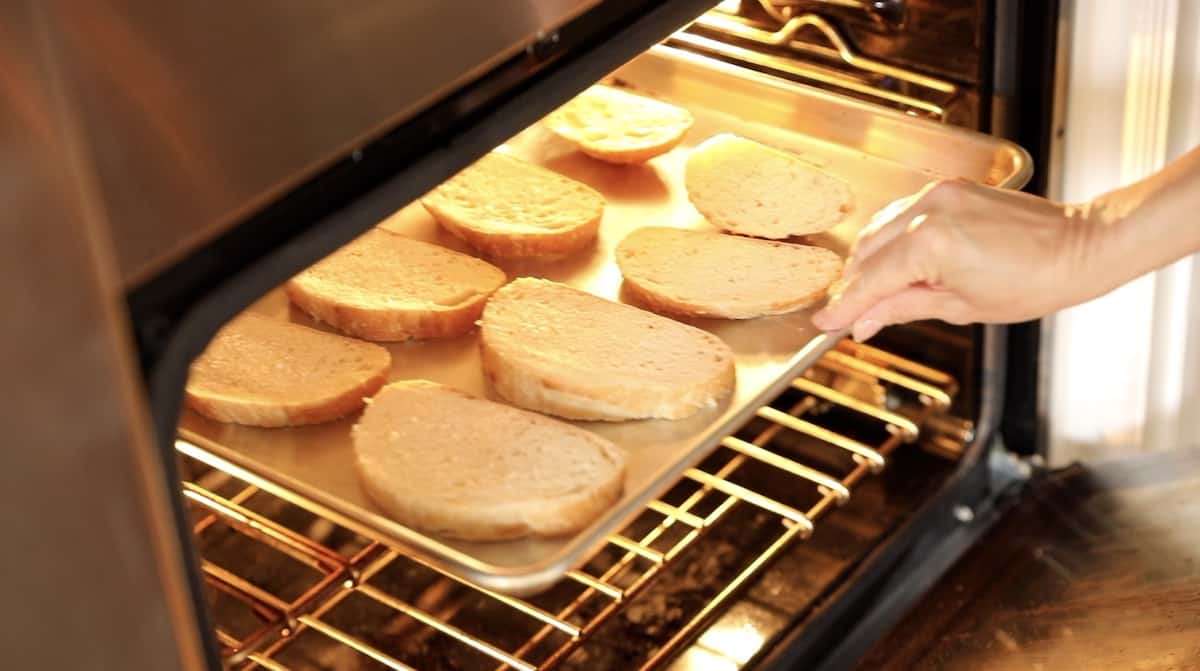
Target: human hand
point(963, 252)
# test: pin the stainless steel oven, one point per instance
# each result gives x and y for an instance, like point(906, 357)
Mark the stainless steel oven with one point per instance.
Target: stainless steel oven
point(171, 165)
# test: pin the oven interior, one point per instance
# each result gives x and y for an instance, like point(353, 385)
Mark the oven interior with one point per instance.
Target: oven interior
point(717, 573)
point(706, 577)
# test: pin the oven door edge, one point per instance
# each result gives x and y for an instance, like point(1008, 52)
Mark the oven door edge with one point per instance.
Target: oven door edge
point(873, 598)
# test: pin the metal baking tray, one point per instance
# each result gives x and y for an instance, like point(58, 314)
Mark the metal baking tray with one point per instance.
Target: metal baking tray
point(882, 154)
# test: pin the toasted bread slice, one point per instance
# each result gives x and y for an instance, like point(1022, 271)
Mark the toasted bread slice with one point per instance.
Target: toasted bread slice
point(383, 286)
point(264, 372)
point(744, 187)
point(509, 208)
point(619, 127)
point(705, 274)
point(445, 462)
point(555, 349)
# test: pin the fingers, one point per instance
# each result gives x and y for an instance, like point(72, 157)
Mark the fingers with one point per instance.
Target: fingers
point(911, 304)
point(885, 263)
point(893, 220)
point(883, 274)
point(885, 225)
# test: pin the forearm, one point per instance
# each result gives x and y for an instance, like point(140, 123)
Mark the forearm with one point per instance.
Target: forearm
point(1147, 225)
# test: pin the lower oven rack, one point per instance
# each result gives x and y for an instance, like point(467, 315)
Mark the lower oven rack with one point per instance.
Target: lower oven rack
point(264, 614)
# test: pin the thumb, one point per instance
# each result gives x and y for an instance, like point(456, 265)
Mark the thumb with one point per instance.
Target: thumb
point(911, 304)
point(880, 276)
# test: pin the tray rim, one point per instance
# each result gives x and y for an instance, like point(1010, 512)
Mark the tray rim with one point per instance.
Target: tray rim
point(515, 580)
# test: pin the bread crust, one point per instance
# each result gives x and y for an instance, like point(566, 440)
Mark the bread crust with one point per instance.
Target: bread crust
point(631, 156)
point(744, 187)
point(383, 324)
point(544, 516)
point(660, 301)
point(508, 208)
point(233, 410)
point(548, 246)
point(611, 403)
point(321, 291)
point(541, 518)
point(247, 374)
point(634, 128)
point(594, 400)
point(743, 278)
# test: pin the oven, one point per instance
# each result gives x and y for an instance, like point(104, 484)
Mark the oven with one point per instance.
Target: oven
point(179, 163)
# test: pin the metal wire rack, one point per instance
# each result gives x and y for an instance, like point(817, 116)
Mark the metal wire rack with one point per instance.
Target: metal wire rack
point(352, 597)
point(875, 80)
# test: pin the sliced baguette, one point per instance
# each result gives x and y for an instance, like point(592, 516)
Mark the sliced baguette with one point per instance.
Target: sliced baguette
point(445, 462)
point(509, 208)
point(744, 187)
point(383, 286)
point(704, 274)
point(264, 372)
point(555, 349)
point(619, 127)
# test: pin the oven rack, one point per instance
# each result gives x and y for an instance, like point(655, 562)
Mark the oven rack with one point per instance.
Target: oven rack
point(906, 89)
point(890, 12)
point(261, 625)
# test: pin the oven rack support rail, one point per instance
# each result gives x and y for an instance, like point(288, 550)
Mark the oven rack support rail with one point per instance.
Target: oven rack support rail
point(891, 12)
point(601, 589)
point(932, 103)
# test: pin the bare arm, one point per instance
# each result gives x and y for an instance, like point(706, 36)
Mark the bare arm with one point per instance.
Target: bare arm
point(963, 252)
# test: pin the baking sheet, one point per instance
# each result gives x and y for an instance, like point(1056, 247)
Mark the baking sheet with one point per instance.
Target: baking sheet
point(883, 155)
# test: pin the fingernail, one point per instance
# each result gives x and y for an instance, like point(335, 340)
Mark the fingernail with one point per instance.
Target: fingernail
point(823, 319)
point(865, 329)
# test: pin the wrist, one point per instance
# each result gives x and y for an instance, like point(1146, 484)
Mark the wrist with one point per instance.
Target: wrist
point(1099, 238)
point(1152, 223)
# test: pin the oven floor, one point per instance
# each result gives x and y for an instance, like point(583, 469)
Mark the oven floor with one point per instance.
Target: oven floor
point(1097, 568)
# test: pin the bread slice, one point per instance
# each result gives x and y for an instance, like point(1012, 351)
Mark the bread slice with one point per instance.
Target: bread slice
point(383, 286)
point(265, 372)
point(619, 127)
point(509, 208)
point(705, 274)
point(555, 349)
point(744, 187)
point(439, 460)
